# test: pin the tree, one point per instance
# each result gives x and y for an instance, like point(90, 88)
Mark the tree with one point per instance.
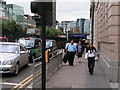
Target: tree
point(70, 32)
point(53, 32)
point(12, 30)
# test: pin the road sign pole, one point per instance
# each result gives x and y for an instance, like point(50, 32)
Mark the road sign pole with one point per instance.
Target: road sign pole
point(43, 17)
point(92, 27)
point(44, 9)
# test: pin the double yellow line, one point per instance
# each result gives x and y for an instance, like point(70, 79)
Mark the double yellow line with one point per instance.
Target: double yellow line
point(26, 80)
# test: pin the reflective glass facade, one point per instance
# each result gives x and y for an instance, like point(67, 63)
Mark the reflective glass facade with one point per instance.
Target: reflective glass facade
point(83, 25)
point(73, 24)
point(86, 26)
point(4, 11)
point(17, 10)
point(10, 12)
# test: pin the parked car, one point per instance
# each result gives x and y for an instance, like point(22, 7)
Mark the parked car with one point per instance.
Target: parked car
point(3, 39)
point(33, 45)
point(51, 45)
point(13, 56)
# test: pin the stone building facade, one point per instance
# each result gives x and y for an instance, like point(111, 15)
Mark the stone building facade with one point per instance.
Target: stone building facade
point(106, 36)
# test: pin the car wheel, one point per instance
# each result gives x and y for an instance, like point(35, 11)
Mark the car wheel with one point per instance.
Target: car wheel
point(16, 69)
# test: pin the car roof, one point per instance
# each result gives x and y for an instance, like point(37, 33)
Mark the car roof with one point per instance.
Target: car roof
point(31, 38)
point(10, 43)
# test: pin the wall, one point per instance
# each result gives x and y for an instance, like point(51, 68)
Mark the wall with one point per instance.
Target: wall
point(106, 28)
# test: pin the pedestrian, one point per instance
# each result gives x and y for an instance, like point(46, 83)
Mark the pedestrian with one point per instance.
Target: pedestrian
point(91, 52)
point(71, 50)
point(87, 47)
point(79, 51)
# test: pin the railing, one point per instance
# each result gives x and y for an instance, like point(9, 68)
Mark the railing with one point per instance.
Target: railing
point(54, 62)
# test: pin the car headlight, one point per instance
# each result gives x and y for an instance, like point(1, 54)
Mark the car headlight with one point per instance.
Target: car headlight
point(8, 62)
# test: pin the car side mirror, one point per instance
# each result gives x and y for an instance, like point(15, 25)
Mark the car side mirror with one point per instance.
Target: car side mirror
point(22, 52)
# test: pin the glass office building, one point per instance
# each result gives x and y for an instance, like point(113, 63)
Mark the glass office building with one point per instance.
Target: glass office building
point(4, 11)
point(72, 24)
point(16, 11)
point(86, 26)
point(83, 25)
point(12, 12)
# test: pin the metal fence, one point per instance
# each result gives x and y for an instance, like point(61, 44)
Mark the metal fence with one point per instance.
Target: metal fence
point(54, 62)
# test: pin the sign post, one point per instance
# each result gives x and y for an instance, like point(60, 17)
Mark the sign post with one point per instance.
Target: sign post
point(44, 9)
point(43, 18)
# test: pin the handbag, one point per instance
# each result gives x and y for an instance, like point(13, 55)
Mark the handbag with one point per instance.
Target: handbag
point(86, 55)
point(65, 58)
point(96, 56)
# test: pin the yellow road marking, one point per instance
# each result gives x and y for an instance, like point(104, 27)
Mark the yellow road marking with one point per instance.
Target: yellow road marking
point(24, 80)
point(29, 80)
point(21, 82)
point(25, 83)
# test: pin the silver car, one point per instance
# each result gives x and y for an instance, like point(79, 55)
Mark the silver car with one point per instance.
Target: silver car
point(13, 56)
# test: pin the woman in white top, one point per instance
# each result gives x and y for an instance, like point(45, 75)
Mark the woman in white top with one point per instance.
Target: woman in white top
point(91, 52)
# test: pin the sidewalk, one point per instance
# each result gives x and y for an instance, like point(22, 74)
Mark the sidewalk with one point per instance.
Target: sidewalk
point(78, 77)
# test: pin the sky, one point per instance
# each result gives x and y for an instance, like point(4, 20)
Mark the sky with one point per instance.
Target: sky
point(66, 10)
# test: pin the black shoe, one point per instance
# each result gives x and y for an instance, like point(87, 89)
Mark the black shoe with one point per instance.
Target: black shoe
point(91, 73)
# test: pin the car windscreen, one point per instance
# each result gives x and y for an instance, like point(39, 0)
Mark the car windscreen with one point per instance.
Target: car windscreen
point(27, 43)
point(48, 44)
point(9, 48)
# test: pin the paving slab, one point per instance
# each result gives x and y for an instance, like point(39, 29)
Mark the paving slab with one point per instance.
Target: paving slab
point(77, 77)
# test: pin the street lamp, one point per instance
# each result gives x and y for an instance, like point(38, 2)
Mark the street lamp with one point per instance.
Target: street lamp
point(66, 29)
point(92, 26)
